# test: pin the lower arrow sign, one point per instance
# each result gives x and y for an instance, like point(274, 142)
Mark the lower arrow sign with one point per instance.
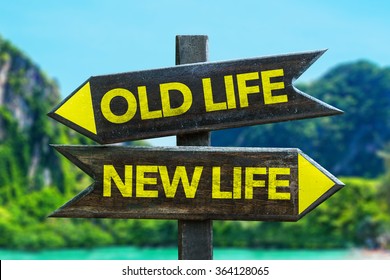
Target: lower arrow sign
point(197, 183)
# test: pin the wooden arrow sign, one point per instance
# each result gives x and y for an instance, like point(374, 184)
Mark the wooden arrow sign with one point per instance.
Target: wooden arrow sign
point(191, 98)
point(197, 183)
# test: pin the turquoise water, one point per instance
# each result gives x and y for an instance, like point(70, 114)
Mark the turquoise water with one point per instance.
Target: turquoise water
point(134, 253)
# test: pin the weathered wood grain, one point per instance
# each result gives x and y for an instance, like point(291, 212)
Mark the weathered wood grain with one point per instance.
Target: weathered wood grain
point(92, 203)
point(235, 91)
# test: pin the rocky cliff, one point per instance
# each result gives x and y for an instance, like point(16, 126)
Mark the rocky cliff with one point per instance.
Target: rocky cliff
point(27, 162)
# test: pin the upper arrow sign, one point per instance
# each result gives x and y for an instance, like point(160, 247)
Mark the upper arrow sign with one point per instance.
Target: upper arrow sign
point(197, 183)
point(191, 98)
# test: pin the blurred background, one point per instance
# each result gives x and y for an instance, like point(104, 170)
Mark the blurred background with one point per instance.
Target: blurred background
point(49, 48)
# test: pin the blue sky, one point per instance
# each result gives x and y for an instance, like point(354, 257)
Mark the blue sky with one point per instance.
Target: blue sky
point(73, 40)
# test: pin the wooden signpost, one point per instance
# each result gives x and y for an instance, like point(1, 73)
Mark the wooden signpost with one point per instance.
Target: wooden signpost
point(198, 184)
point(195, 237)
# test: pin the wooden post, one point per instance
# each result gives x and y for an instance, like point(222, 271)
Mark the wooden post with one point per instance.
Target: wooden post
point(195, 238)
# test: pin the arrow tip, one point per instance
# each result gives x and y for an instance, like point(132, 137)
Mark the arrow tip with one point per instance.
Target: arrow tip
point(313, 183)
point(78, 109)
point(71, 209)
